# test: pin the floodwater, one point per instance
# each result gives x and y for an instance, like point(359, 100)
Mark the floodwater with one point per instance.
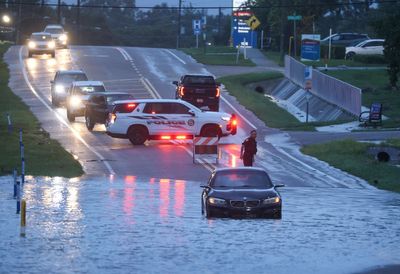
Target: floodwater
point(130, 224)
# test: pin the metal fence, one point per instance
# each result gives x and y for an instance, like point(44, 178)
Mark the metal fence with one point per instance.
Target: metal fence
point(328, 88)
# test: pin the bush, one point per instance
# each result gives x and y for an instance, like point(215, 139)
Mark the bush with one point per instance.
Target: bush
point(370, 59)
point(337, 52)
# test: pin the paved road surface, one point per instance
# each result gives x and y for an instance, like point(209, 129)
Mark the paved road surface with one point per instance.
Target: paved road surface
point(147, 73)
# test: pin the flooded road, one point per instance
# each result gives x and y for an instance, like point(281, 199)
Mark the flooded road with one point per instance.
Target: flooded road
point(130, 224)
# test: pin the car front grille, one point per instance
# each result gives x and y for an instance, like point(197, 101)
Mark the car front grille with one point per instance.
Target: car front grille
point(239, 204)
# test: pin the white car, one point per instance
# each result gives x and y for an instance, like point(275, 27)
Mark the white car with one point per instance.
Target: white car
point(78, 94)
point(58, 34)
point(166, 119)
point(41, 43)
point(367, 47)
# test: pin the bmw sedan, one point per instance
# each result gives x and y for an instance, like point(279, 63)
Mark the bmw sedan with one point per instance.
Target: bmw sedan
point(245, 192)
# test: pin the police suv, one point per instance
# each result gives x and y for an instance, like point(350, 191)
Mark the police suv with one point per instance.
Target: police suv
point(166, 119)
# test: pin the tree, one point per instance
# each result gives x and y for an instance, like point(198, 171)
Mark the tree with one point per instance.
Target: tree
point(389, 28)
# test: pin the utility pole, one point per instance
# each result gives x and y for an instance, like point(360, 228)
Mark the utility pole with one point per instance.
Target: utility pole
point(78, 21)
point(178, 36)
point(59, 12)
point(219, 20)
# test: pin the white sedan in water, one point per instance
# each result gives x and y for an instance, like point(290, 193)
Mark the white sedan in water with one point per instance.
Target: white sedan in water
point(367, 47)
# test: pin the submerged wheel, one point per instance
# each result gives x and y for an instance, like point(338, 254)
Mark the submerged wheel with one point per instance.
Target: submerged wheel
point(89, 123)
point(138, 135)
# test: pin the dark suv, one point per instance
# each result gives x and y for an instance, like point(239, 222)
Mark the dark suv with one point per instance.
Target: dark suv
point(62, 81)
point(344, 39)
point(100, 104)
point(200, 90)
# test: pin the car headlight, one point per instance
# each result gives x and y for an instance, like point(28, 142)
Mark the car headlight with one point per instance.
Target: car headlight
point(216, 201)
point(273, 200)
point(226, 118)
point(59, 89)
point(75, 101)
point(51, 45)
point(32, 45)
point(63, 37)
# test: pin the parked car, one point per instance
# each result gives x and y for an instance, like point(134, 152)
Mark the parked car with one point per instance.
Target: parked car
point(78, 95)
point(62, 81)
point(58, 34)
point(41, 43)
point(244, 191)
point(367, 47)
point(100, 104)
point(200, 90)
point(344, 39)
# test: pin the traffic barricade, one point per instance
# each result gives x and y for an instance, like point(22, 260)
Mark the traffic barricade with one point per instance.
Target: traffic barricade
point(205, 148)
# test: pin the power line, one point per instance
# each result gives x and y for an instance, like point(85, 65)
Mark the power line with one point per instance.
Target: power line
point(337, 4)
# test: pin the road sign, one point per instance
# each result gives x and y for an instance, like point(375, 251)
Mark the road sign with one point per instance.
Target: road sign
point(308, 78)
point(294, 17)
point(253, 22)
point(310, 47)
point(197, 27)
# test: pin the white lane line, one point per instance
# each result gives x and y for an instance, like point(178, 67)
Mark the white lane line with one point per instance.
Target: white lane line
point(76, 133)
point(126, 56)
point(152, 87)
point(238, 113)
point(148, 88)
point(210, 167)
point(176, 56)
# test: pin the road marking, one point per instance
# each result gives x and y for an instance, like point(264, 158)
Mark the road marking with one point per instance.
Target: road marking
point(152, 87)
point(238, 113)
point(124, 54)
point(76, 133)
point(210, 167)
point(176, 56)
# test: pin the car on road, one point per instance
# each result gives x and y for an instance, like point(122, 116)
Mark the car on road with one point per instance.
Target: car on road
point(100, 104)
point(62, 81)
point(166, 119)
point(367, 47)
point(58, 34)
point(243, 192)
point(41, 43)
point(200, 90)
point(344, 39)
point(78, 95)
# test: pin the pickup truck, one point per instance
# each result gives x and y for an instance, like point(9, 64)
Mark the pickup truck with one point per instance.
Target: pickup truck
point(200, 90)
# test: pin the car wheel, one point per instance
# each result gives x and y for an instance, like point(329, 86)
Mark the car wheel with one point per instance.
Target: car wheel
point(70, 116)
point(209, 213)
point(210, 131)
point(350, 55)
point(53, 55)
point(89, 123)
point(30, 54)
point(138, 135)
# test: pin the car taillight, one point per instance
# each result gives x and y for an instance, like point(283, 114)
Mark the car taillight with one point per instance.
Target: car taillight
point(182, 91)
point(218, 92)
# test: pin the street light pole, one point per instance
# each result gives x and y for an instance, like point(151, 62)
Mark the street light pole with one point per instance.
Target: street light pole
point(178, 37)
point(59, 11)
point(78, 21)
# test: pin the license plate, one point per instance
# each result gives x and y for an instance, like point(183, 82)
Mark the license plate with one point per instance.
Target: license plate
point(199, 100)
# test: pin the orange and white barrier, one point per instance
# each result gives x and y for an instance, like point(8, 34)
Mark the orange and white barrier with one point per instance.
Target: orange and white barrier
point(205, 147)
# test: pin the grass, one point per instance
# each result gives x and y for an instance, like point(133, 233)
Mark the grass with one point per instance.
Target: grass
point(43, 156)
point(274, 56)
point(375, 89)
point(218, 56)
point(266, 110)
point(339, 62)
point(352, 157)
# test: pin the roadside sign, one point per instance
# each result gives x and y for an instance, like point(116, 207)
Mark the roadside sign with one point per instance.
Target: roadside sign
point(294, 17)
point(308, 78)
point(197, 27)
point(310, 47)
point(253, 22)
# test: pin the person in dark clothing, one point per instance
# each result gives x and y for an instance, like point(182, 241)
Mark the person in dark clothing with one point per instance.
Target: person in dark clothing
point(249, 149)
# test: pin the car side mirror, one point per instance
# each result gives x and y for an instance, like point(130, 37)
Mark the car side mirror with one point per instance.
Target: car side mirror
point(279, 185)
point(175, 83)
point(191, 112)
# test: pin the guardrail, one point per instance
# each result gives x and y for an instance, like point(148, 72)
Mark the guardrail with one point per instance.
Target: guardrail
point(330, 89)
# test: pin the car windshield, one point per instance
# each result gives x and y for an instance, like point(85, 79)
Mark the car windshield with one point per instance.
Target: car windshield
point(40, 37)
point(68, 78)
point(199, 80)
point(54, 30)
point(117, 97)
point(88, 89)
point(241, 179)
